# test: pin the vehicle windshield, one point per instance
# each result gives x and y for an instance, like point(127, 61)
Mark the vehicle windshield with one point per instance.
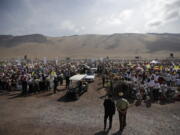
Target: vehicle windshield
point(90, 73)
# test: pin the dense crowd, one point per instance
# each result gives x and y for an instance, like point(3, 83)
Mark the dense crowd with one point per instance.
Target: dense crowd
point(33, 78)
point(155, 80)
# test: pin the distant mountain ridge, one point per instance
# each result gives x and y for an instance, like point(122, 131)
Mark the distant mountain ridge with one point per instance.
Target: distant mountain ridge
point(120, 45)
point(11, 41)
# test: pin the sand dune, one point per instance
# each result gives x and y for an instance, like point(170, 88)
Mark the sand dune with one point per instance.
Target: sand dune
point(115, 45)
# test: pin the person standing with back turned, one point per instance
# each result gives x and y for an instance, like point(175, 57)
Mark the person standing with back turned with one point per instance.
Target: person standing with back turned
point(109, 109)
point(122, 106)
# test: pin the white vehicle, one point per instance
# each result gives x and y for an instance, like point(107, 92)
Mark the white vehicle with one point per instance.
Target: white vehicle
point(94, 70)
point(90, 77)
point(78, 86)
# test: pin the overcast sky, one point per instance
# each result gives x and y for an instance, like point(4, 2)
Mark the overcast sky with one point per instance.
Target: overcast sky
point(69, 17)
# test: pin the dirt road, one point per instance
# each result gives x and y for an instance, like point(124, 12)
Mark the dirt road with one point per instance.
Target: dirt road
point(51, 114)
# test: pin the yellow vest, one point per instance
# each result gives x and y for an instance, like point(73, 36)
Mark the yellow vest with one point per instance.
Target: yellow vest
point(122, 104)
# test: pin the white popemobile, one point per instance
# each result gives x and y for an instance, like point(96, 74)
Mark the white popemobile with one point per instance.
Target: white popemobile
point(78, 86)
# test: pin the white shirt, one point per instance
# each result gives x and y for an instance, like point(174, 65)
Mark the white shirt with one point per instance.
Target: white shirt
point(156, 77)
point(151, 83)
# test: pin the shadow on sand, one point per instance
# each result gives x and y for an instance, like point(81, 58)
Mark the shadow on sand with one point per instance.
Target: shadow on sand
point(102, 133)
point(61, 90)
point(117, 133)
point(18, 95)
point(65, 98)
point(47, 94)
point(38, 94)
point(2, 93)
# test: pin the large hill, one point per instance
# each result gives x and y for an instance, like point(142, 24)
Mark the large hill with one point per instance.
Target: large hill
point(79, 46)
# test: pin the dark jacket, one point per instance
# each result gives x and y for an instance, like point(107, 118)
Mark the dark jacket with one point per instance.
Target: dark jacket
point(109, 107)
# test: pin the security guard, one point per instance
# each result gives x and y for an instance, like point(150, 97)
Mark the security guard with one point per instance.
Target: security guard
point(122, 106)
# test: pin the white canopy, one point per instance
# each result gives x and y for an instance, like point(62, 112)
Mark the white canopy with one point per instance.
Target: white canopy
point(154, 62)
point(77, 77)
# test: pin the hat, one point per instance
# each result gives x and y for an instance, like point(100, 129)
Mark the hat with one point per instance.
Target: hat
point(120, 93)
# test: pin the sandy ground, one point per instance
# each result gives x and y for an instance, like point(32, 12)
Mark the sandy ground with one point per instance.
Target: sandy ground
point(51, 114)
